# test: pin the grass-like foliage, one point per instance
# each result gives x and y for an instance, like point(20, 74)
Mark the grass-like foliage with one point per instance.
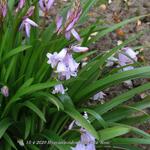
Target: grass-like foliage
point(34, 116)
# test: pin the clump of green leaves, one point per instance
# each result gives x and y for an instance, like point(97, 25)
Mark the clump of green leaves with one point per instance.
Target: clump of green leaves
point(32, 114)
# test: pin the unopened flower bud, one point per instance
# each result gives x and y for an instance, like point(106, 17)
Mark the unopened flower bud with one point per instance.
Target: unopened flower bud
point(3, 8)
point(5, 91)
point(21, 4)
point(30, 11)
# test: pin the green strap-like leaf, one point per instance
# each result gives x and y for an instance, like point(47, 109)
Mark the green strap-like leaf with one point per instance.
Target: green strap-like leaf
point(87, 5)
point(72, 112)
point(33, 147)
point(51, 98)
point(28, 124)
point(9, 140)
point(130, 141)
point(15, 51)
point(116, 26)
point(121, 98)
point(101, 121)
point(29, 90)
point(4, 124)
point(133, 129)
point(27, 83)
point(123, 113)
point(122, 147)
point(110, 80)
point(136, 120)
point(55, 139)
point(110, 133)
point(35, 109)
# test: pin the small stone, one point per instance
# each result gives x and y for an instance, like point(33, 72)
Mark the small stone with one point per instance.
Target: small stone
point(85, 59)
point(103, 7)
point(143, 95)
point(94, 34)
point(120, 32)
point(139, 23)
point(109, 1)
point(128, 84)
point(119, 42)
point(84, 64)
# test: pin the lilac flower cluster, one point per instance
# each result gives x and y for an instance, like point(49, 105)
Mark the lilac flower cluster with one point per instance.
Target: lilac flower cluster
point(87, 141)
point(64, 65)
point(67, 29)
point(63, 62)
point(126, 57)
point(73, 16)
point(99, 96)
point(46, 5)
point(20, 5)
point(27, 23)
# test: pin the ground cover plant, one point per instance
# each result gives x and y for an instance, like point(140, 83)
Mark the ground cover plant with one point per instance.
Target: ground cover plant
point(47, 79)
